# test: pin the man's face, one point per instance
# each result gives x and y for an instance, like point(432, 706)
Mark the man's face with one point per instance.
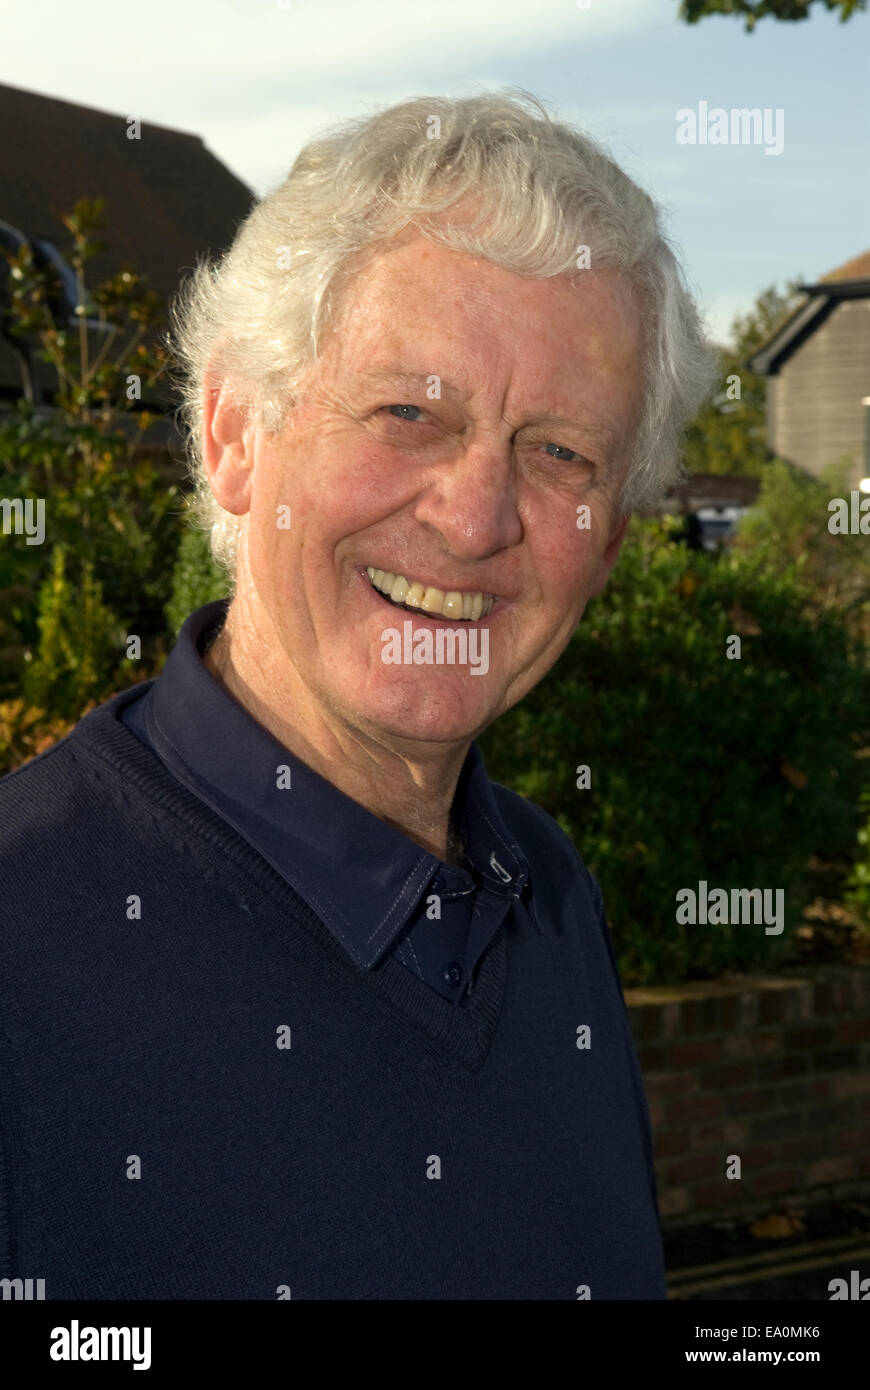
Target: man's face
point(474, 492)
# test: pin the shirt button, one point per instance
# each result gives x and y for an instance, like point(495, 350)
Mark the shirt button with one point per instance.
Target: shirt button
point(453, 973)
point(438, 884)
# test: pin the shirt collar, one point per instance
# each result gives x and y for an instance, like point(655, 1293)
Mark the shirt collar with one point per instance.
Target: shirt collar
point(361, 876)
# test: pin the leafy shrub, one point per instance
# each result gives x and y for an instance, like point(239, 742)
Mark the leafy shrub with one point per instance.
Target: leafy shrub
point(26, 731)
point(858, 886)
point(81, 649)
point(733, 772)
point(109, 513)
point(788, 530)
point(196, 579)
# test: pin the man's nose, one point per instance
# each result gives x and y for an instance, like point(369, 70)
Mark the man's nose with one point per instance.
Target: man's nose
point(472, 499)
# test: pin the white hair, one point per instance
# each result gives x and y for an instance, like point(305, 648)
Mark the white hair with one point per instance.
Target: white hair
point(541, 190)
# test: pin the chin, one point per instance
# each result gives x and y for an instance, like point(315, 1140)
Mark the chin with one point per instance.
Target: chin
point(432, 715)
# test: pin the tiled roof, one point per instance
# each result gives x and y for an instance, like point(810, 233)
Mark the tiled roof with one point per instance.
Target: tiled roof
point(855, 269)
point(167, 198)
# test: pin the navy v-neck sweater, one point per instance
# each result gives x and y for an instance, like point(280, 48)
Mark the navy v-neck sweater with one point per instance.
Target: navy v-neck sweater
point(203, 1096)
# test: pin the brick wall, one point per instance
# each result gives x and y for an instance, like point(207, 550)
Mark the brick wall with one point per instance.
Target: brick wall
point(775, 1070)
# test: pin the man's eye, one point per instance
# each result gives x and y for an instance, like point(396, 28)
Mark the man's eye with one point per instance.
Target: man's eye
point(400, 412)
point(559, 451)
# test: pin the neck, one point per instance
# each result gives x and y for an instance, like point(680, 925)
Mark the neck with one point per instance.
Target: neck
point(413, 793)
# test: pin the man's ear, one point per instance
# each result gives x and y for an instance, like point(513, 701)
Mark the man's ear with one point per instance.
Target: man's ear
point(610, 554)
point(227, 446)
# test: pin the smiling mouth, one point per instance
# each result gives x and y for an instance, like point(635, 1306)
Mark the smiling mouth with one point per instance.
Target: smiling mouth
point(459, 604)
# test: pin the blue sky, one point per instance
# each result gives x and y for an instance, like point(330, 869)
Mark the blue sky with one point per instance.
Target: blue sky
point(256, 78)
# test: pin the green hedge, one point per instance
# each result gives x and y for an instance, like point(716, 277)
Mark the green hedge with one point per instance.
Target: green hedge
point(858, 886)
point(734, 772)
point(112, 528)
point(196, 579)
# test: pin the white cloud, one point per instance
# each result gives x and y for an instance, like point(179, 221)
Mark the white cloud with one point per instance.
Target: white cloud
point(213, 48)
point(256, 80)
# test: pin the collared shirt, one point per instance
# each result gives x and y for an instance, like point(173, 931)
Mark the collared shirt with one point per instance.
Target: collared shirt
point(296, 1122)
point(377, 892)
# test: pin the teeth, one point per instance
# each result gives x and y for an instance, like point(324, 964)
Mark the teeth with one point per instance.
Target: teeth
point(452, 604)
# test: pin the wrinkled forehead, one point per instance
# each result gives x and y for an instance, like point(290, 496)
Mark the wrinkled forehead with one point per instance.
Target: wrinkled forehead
point(418, 316)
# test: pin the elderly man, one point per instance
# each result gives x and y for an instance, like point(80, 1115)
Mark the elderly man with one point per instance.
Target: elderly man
point(297, 1003)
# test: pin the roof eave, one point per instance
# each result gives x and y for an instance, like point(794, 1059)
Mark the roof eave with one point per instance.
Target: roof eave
point(767, 359)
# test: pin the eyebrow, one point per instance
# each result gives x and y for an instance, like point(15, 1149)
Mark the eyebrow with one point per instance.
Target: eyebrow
point(414, 380)
point(601, 432)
